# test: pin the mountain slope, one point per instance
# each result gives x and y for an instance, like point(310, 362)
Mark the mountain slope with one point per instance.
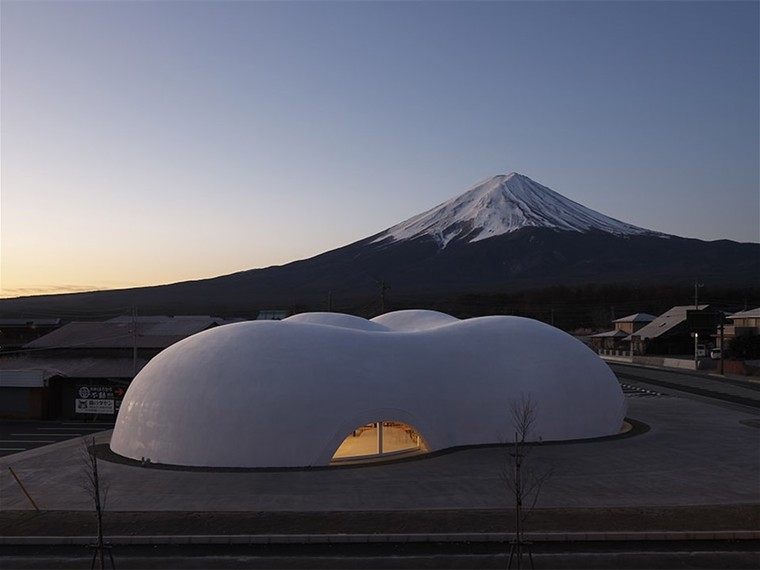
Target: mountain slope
point(505, 204)
point(506, 233)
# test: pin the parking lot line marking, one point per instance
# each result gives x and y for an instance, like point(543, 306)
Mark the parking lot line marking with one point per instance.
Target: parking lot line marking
point(27, 441)
point(45, 434)
point(13, 448)
point(70, 429)
point(84, 423)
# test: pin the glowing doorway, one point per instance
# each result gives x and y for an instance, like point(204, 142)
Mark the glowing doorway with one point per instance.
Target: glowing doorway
point(380, 440)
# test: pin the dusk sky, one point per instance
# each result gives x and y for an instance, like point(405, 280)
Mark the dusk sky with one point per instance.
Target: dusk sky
point(152, 142)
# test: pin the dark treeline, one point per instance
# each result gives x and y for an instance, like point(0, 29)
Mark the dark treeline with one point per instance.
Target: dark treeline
point(566, 307)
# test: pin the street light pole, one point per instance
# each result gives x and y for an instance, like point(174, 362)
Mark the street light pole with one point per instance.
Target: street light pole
point(696, 341)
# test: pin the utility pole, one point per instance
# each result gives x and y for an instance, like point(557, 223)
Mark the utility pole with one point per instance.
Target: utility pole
point(134, 341)
point(722, 318)
point(383, 288)
point(697, 285)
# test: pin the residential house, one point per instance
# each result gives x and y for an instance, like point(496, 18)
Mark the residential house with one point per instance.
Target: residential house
point(672, 333)
point(618, 339)
point(744, 324)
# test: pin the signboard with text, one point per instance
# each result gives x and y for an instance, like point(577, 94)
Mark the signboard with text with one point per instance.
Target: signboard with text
point(96, 400)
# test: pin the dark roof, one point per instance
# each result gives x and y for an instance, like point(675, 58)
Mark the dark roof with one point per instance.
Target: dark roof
point(29, 322)
point(636, 318)
point(76, 367)
point(750, 314)
point(667, 321)
point(123, 332)
point(610, 334)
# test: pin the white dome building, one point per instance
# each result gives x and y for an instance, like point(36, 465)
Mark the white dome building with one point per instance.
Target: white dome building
point(321, 387)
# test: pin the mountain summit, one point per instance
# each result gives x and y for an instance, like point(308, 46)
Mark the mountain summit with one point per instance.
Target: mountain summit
point(504, 204)
point(505, 233)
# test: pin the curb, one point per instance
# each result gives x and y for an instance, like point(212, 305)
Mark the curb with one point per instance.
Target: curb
point(706, 373)
point(384, 538)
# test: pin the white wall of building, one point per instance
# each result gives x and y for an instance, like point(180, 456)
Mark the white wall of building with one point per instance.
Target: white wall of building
point(287, 393)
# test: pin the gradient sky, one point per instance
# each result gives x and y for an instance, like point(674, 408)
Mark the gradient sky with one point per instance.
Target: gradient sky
point(152, 142)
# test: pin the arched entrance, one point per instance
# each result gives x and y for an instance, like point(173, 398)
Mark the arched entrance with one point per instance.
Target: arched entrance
point(380, 440)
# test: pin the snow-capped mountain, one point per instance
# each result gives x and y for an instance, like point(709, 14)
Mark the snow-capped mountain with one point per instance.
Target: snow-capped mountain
point(504, 204)
point(504, 234)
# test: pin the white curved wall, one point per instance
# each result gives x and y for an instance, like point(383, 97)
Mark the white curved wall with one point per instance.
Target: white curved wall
point(280, 394)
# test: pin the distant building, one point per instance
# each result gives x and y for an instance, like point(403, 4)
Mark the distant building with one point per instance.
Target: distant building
point(671, 333)
point(619, 337)
point(632, 323)
point(744, 323)
point(737, 325)
point(272, 315)
point(15, 333)
point(82, 369)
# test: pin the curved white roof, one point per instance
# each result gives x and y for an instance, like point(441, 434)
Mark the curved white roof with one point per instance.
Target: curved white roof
point(337, 320)
point(414, 320)
point(287, 393)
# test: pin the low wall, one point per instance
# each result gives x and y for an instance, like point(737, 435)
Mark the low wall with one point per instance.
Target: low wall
point(741, 368)
point(670, 362)
point(615, 358)
point(659, 361)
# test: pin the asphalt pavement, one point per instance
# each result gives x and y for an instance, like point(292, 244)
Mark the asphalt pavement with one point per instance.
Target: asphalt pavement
point(22, 435)
point(680, 491)
point(694, 453)
point(687, 554)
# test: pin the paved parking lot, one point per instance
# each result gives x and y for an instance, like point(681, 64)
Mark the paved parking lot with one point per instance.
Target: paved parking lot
point(18, 436)
point(695, 453)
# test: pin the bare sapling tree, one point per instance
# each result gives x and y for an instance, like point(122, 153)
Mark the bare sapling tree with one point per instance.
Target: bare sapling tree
point(97, 490)
point(521, 477)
